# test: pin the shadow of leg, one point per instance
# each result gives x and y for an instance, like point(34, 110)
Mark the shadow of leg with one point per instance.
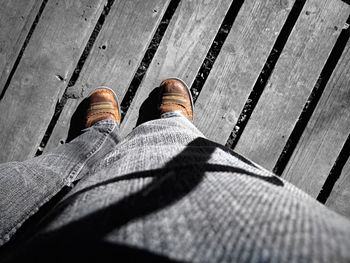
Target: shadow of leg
point(149, 108)
point(77, 123)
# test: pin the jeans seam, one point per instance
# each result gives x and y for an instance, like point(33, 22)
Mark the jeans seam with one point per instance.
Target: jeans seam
point(79, 167)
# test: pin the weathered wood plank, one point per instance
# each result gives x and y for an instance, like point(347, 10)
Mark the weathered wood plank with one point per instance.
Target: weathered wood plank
point(182, 50)
point(339, 199)
point(40, 79)
point(124, 38)
point(16, 18)
point(325, 133)
point(238, 66)
point(295, 74)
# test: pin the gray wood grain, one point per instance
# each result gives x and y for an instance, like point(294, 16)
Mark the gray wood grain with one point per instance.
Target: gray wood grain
point(339, 199)
point(16, 18)
point(325, 133)
point(238, 66)
point(295, 74)
point(41, 76)
point(182, 50)
point(125, 36)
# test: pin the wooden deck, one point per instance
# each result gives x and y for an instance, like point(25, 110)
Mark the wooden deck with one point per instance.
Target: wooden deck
point(271, 78)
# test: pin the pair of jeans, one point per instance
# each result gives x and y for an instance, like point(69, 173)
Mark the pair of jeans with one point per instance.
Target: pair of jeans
point(163, 193)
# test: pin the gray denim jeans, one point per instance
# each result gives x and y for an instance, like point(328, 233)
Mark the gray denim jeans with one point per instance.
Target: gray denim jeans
point(163, 193)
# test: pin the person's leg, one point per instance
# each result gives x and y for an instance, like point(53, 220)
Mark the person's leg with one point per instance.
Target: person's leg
point(179, 195)
point(211, 204)
point(26, 186)
point(167, 193)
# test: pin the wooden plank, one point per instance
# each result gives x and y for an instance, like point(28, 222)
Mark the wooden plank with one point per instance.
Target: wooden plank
point(295, 74)
point(238, 66)
point(182, 50)
point(325, 133)
point(16, 19)
point(339, 199)
point(125, 38)
point(40, 78)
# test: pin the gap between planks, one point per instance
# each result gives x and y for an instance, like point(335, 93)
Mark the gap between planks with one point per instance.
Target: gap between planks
point(181, 52)
point(17, 22)
point(294, 76)
point(238, 66)
point(54, 48)
point(325, 133)
point(125, 38)
point(339, 197)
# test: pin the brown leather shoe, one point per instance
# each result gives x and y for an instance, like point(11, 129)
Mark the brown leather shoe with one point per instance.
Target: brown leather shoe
point(175, 96)
point(102, 104)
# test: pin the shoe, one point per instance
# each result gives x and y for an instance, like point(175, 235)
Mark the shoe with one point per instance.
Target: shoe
point(102, 105)
point(175, 96)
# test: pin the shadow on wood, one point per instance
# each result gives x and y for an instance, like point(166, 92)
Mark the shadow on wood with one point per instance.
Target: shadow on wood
point(77, 123)
point(149, 108)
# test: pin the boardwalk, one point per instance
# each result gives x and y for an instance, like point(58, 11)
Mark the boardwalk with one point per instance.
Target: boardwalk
point(271, 79)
